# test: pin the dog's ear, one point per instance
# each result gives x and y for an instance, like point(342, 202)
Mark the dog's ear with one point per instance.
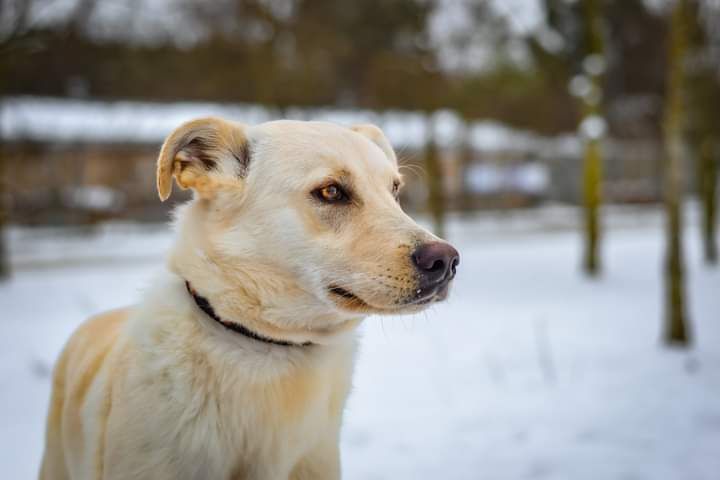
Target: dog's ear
point(375, 135)
point(202, 154)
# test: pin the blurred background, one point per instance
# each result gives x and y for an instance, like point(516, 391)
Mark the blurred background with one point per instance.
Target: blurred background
point(570, 149)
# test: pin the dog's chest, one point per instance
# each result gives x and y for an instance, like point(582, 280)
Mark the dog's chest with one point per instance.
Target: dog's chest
point(257, 441)
point(225, 426)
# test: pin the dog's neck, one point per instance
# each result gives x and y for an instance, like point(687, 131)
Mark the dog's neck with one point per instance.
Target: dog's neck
point(204, 305)
point(250, 294)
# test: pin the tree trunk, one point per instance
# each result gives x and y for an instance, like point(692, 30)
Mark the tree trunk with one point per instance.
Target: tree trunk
point(676, 329)
point(466, 158)
point(708, 177)
point(592, 157)
point(592, 180)
point(4, 261)
point(434, 178)
point(703, 91)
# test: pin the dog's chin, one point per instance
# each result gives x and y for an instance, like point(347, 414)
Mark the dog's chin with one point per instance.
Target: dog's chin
point(346, 300)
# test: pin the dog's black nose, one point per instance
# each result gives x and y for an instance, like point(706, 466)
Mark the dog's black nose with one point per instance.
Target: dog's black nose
point(436, 262)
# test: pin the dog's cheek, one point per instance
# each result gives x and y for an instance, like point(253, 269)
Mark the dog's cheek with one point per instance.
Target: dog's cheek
point(336, 219)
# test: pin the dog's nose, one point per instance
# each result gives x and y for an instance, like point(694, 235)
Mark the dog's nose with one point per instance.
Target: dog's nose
point(436, 262)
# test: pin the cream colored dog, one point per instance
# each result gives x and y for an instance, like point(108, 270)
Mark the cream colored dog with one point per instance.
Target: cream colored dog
point(237, 363)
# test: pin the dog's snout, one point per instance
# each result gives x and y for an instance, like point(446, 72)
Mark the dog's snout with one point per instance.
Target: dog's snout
point(436, 261)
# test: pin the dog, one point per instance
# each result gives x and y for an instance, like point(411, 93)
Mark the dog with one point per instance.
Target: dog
point(237, 362)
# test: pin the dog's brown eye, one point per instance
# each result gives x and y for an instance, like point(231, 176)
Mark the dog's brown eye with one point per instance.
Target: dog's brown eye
point(331, 194)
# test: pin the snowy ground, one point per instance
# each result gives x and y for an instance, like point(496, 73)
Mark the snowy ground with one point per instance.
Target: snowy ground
point(529, 371)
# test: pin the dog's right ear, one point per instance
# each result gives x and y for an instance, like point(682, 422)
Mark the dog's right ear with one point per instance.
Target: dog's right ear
point(202, 154)
point(376, 135)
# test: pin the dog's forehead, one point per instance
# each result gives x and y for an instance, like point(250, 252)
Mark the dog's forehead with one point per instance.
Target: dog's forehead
point(307, 144)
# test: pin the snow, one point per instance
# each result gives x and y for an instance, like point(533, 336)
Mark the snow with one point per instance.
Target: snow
point(593, 127)
point(529, 371)
point(93, 197)
point(63, 120)
point(530, 178)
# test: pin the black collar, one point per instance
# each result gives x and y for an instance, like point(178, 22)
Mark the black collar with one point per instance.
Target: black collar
point(204, 305)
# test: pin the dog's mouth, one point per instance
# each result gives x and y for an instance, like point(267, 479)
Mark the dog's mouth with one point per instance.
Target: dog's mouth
point(341, 292)
point(349, 301)
point(423, 297)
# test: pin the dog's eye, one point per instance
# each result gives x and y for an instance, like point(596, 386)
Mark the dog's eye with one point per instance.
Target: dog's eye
point(331, 194)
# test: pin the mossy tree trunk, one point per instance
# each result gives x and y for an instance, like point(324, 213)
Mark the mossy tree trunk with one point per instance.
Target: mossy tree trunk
point(434, 179)
point(466, 156)
point(676, 322)
point(593, 66)
point(702, 124)
point(708, 177)
point(592, 181)
point(4, 261)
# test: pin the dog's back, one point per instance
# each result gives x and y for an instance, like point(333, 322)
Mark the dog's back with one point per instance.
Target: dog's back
point(81, 365)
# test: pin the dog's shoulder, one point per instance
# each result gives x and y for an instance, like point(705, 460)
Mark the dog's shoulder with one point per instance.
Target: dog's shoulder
point(77, 368)
point(86, 350)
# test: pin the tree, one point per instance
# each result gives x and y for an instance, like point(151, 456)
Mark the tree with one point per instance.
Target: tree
point(703, 122)
point(676, 322)
point(16, 15)
point(592, 127)
point(708, 178)
point(4, 261)
point(572, 50)
point(435, 187)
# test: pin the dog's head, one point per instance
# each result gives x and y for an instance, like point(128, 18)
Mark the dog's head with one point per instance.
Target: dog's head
point(305, 210)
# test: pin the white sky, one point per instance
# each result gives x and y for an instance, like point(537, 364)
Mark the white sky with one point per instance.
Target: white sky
point(523, 15)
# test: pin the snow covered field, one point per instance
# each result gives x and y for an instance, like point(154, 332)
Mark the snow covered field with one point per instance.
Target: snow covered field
point(528, 372)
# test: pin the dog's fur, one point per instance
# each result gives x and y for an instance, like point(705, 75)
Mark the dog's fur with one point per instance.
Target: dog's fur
point(162, 391)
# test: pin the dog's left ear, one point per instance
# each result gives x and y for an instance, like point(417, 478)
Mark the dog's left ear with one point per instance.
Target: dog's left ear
point(202, 154)
point(375, 135)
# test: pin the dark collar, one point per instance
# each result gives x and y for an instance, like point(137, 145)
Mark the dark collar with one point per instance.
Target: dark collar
point(204, 305)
